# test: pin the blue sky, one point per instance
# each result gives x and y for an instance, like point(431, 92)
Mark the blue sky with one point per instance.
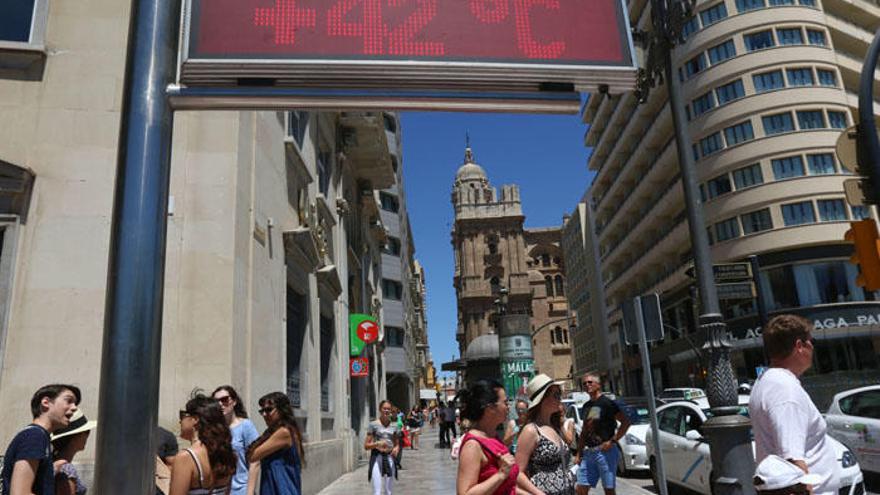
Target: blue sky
point(543, 154)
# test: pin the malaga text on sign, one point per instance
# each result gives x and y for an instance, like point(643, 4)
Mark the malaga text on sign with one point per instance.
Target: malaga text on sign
point(475, 45)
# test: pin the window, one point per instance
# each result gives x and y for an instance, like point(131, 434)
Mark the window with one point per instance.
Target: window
point(827, 77)
point(695, 151)
point(297, 322)
point(780, 122)
point(703, 197)
point(777, 3)
point(325, 172)
point(721, 52)
point(831, 210)
point(790, 36)
point(713, 14)
point(808, 284)
point(808, 3)
point(837, 120)
point(767, 81)
point(711, 144)
point(392, 247)
point(389, 202)
point(864, 405)
point(860, 212)
point(392, 289)
point(394, 336)
point(690, 27)
point(328, 335)
point(821, 164)
point(798, 213)
point(746, 5)
point(759, 40)
point(695, 65)
point(757, 221)
point(670, 419)
point(548, 284)
point(816, 37)
point(811, 119)
point(16, 20)
point(791, 166)
point(718, 186)
point(748, 176)
point(730, 92)
point(800, 77)
point(560, 286)
point(739, 133)
point(727, 229)
point(703, 104)
point(296, 126)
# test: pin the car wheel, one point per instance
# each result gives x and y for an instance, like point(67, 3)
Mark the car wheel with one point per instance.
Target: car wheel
point(621, 462)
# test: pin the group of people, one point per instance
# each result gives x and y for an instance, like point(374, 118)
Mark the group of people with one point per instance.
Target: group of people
point(226, 456)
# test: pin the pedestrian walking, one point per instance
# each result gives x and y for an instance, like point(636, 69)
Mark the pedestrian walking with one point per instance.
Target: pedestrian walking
point(207, 466)
point(66, 443)
point(244, 433)
point(383, 442)
point(541, 450)
point(414, 423)
point(785, 421)
point(485, 466)
point(444, 432)
point(776, 476)
point(597, 451)
point(448, 417)
point(279, 450)
point(514, 426)
point(27, 464)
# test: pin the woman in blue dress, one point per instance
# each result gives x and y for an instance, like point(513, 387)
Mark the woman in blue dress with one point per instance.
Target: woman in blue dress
point(244, 433)
point(279, 450)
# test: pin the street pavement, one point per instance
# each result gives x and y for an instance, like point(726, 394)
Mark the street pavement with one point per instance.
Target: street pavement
point(429, 470)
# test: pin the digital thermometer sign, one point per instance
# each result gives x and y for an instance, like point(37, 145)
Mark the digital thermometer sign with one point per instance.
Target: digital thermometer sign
point(426, 44)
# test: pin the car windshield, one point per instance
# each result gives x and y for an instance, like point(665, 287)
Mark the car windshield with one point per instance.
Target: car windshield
point(637, 413)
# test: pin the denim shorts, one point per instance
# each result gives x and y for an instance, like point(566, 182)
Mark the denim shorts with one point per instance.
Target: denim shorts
point(598, 465)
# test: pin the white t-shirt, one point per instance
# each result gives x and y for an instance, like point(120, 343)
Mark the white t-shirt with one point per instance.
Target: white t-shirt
point(786, 423)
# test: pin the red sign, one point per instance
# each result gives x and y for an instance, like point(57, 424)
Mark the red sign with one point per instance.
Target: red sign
point(368, 331)
point(359, 367)
point(578, 32)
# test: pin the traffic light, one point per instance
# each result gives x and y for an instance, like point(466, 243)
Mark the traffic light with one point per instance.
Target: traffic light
point(866, 252)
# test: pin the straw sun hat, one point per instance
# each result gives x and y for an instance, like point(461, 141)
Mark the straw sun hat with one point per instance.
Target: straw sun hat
point(537, 387)
point(78, 424)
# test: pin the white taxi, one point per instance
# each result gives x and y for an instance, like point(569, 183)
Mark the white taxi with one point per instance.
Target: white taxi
point(854, 419)
point(686, 456)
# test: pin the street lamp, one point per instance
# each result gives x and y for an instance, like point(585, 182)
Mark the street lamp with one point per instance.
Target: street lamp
point(733, 464)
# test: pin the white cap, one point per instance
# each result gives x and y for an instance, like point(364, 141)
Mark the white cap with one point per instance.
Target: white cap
point(775, 473)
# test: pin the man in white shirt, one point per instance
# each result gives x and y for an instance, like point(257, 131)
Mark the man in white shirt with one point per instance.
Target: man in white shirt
point(785, 421)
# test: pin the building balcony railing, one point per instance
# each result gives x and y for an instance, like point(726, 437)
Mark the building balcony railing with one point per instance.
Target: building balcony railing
point(366, 147)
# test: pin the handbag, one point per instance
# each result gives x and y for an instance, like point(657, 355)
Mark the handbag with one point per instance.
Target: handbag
point(405, 441)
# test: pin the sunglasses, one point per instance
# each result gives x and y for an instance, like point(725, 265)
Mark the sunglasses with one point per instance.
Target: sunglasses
point(183, 414)
point(811, 340)
point(588, 382)
point(522, 411)
point(266, 410)
point(225, 400)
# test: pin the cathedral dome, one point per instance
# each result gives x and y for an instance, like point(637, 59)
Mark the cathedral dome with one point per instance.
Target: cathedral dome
point(470, 170)
point(483, 347)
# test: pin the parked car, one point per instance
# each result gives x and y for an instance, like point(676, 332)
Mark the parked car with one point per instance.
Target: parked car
point(683, 393)
point(686, 456)
point(854, 419)
point(632, 446)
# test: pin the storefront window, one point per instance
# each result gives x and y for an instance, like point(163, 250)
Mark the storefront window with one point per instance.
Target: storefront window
point(810, 284)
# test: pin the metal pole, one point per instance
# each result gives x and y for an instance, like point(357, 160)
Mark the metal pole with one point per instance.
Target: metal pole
point(868, 144)
point(129, 390)
point(659, 468)
point(733, 464)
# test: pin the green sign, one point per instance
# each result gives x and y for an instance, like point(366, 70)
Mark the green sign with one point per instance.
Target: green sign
point(362, 330)
point(515, 374)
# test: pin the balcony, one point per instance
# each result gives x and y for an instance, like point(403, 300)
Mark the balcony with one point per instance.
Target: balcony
point(365, 145)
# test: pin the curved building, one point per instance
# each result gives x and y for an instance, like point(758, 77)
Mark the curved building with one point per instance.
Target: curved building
point(769, 85)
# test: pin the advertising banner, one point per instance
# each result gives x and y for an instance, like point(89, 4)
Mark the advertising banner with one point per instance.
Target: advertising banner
point(363, 330)
point(359, 367)
point(515, 374)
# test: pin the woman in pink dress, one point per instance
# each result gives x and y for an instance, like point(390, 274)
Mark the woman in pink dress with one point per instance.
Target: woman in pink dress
point(485, 466)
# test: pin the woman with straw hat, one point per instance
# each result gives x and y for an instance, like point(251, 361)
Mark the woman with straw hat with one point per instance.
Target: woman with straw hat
point(65, 444)
point(542, 452)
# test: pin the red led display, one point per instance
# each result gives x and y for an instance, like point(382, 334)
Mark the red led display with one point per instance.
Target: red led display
point(569, 32)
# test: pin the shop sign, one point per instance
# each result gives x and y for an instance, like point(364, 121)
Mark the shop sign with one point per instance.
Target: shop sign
point(363, 330)
point(832, 318)
point(359, 367)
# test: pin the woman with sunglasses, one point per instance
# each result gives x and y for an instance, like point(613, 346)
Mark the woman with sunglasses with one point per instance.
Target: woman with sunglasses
point(485, 466)
point(279, 450)
point(542, 452)
point(207, 467)
point(244, 433)
point(383, 442)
